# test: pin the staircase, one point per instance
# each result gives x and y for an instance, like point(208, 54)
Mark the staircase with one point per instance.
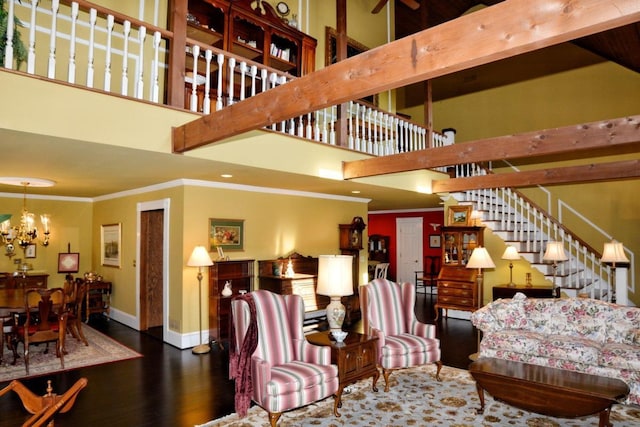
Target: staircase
point(528, 227)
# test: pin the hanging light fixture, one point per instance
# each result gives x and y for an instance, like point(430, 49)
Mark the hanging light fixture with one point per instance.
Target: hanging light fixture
point(26, 232)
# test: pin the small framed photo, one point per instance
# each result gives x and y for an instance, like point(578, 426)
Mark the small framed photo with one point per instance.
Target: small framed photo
point(30, 251)
point(111, 245)
point(227, 234)
point(69, 262)
point(459, 216)
point(434, 240)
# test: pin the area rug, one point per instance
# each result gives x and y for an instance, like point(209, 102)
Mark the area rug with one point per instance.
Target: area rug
point(417, 399)
point(101, 349)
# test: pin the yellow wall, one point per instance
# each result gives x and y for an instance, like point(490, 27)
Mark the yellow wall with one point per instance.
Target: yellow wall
point(592, 93)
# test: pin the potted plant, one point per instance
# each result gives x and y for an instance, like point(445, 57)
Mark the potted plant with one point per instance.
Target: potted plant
point(19, 49)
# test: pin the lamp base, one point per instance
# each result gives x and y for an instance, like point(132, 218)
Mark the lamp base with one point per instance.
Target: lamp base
point(201, 349)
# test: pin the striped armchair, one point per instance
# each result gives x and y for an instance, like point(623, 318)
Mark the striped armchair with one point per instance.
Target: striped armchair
point(403, 341)
point(286, 371)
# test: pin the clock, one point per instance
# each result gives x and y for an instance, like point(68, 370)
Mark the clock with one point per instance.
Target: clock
point(282, 8)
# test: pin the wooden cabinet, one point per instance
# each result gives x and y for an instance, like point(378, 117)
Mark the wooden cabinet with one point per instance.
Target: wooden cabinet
point(236, 27)
point(378, 248)
point(300, 284)
point(457, 285)
point(11, 281)
point(240, 274)
point(98, 299)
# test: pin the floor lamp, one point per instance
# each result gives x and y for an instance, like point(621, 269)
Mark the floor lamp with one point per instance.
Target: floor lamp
point(479, 259)
point(614, 252)
point(200, 258)
point(554, 253)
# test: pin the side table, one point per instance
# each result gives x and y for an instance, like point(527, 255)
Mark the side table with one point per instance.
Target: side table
point(98, 299)
point(356, 357)
point(506, 291)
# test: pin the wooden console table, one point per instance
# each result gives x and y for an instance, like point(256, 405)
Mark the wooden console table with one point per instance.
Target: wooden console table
point(356, 358)
point(506, 291)
point(11, 281)
point(547, 391)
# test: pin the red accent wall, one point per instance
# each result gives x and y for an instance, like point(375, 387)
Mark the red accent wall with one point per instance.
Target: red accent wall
point(385, 224)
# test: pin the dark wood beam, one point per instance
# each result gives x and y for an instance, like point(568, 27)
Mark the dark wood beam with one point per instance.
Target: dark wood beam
point(507, 29)
point(567, 175)
point(567, 141)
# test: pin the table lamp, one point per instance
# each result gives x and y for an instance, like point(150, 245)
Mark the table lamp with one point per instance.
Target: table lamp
point(554, 253)
point(335, 279)
point(200, 258)
point(511, 254)
point(614, 252)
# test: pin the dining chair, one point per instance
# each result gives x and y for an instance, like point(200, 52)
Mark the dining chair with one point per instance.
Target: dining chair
point(46, 322)
point(381, 270)
point(74, 311)
point(388, 312)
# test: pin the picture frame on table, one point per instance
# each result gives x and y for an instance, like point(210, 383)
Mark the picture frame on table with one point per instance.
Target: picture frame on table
point(69, 262)
point(434, 241)
point(459, 216)
point(111, 245)
point(30, 251)
point(226, 234)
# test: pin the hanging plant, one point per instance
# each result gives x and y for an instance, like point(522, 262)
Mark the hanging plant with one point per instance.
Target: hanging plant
point(19, 49)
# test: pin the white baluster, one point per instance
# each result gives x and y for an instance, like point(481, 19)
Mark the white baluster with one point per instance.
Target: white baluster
point(263, 76)
point(142, 32)
point(155, 64)
point(332, 133)
point(8, 50)
point(51, 71)
point(93, 15)
point(309, 128)
point(206, 104)
point(126, 30)
point(292, 127)
point(243, 72)
point(301, 127)
point(324, 125)
point(31, 57)
point(71, 74)
point(193, 104)
point(232, 66)
point(350, 139)
point(254, 73)
point(107, 60)
point(357, 127)
point(370, 132)
point(316, 133)
point(220, 61)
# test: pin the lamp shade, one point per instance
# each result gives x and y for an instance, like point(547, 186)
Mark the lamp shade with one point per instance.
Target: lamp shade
point(199, 257)
point(511, 253)
point(335, 275)
point(613, 252)
point(555, 252)
point(480, 258)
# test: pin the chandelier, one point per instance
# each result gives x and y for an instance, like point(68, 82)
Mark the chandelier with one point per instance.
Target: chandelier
point(26, 232)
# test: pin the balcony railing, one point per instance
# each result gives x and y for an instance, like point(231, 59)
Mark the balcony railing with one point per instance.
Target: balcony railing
point(87, 45)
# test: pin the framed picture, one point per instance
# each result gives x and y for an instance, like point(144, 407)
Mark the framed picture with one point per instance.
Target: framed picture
point(459, 216)
point(226, 234)
point(30, 251)
point(434, 240)
point(69, 262)
point(111, 245)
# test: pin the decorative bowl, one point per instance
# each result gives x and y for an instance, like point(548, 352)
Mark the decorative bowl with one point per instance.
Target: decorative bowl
point(339, 336)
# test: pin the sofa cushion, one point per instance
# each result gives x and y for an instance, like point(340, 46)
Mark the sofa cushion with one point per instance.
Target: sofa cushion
point(624, 326)
point(620, 356)
point(515, 341)
point(509, 314)
point(570, 348)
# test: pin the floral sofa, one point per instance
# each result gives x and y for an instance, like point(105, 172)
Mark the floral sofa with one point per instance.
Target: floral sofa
point(577, 334)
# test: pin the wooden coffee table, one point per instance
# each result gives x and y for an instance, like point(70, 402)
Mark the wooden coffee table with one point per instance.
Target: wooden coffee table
point(548, 391)
point(356, 357)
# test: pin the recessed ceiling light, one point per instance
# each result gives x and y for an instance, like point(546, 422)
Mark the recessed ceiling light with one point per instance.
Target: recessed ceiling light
point(226, 175)
point(356, 191)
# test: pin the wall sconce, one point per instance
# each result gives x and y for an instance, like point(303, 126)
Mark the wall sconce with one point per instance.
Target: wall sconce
point(554, 253)
point(511, 254)
point(335, 279)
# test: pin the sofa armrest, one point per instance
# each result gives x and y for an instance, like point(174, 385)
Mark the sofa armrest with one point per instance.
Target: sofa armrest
point(484, 319)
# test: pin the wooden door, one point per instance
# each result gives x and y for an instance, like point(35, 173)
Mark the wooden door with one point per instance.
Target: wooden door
point(409, 240)
point(151, 268)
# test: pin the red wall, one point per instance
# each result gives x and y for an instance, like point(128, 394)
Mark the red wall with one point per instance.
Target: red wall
point(385, 224)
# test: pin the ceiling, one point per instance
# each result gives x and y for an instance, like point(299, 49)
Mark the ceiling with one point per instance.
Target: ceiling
point(83, 169)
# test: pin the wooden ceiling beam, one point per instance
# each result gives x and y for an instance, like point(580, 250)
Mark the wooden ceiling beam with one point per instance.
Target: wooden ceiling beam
point(568, 175)
point(507, 29)
point(568, 141)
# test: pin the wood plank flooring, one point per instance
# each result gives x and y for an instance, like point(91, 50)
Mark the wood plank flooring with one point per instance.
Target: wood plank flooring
point(172, 387)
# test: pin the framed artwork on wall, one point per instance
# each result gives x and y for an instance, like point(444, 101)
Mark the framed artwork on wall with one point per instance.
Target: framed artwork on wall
point(226, 234)
point(111, 245)
point(69, 262)
point(434, 240)
point(30, 251)
point(459, 216)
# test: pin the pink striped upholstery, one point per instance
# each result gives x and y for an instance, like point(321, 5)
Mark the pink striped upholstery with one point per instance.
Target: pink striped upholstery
point(287, 371)
point(403, 341)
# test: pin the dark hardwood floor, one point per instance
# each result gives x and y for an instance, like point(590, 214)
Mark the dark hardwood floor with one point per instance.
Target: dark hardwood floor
point(172, 387)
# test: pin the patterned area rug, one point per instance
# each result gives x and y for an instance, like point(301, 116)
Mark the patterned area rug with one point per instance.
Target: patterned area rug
point(101, 349)
point(417, 399)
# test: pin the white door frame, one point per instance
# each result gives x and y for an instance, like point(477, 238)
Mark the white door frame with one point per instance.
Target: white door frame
point(418, 257)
